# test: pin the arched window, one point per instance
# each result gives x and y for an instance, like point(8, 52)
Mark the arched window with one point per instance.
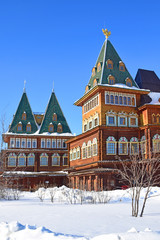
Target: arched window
point(116, 99)
point(154, 119)
point(55, 159)
point(99, 67)
point(93, 71)
point(112, 99)
point(24, 116)
point(31, 159)
point(95, 82)
point(109, 64)
point(111, 80)
point(21, 160)
point(78, 153)
point(65, 160)
point(121, 66)
point(129, 101)
point(54, 117)
point(111, 146)
point(107, 98)
point(89, 144)
point(28, 127)
point(74, 154)
point(156, 143)
point(94, 147)
point(128, 82)
point(12, 160)
point(133, 101)
point(59, 127)
point(43, 159)
point(158, 119)
point(143, 145)
point(19, 127)
point(123, 146)
point(84, 150)
point(51, 128)
point(120, 100)
point(134, 146)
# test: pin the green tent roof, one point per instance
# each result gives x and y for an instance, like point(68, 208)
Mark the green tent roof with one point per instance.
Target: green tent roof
point(23, 107)
point(109, 52)
point(54, 107)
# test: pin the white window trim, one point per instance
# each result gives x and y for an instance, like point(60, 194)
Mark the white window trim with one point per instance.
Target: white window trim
point(43, 140)
point(107, 120)
point(122, 116)
point(130, 125)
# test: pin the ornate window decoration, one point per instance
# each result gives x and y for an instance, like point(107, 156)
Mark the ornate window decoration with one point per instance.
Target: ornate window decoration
point(28, 127)
point(116, 98)
point(70, 154)
point(111, 80)
point(99, 67)
point(23, 143)
point(111, 118)
point(154, 118)
point(55, 159)
point(54, 117)
point(134, 146)
point(65, 160)
point(128, 82)
point(34, 143)
point(92, 103)
point(48, 143)
point(12, 160)
point(89, 149)
point(122, 119)
point(123, 146)
point(59, 127)
point(121, 66)
point(53, 143)
point(93, 71)
point(109, 64)
point(31, 159)
point(51, 128)
point(19, 127)
point(84, 150)
point(94, 147)
point(44, 159)
point(143, 145)
point(24, 116)
point(12, 142)
point(133, 120)
point(111, 146)
point(28, 143)
point(156, 143)
point(78, 153)
point(43, 143)
point(21, 160)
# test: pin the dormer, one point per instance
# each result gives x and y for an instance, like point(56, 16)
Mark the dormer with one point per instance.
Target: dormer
point(59, 128)
point(24, 116)
point(93, 71)
point(111, 79)
point(54, 117)
point(51, 128)
point(19, 127)
point(95, 82)
point(86, 89)
point(121, 66)
point(28, 127)
point(128, 82)
point(99, 67)
point(109, 64)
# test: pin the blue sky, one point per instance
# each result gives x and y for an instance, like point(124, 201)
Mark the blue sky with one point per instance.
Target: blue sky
point(46, 41)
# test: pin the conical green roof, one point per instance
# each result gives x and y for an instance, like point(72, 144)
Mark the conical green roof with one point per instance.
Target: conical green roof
point(54, 107)
point(108, 52)
point(23, 108)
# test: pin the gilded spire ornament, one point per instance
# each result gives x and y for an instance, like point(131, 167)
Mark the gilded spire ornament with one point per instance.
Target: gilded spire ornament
point(106, 33)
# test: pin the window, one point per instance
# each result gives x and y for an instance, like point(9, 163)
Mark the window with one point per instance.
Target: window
point(109, 64)
point(28, 127)
point(95, 81)
point(143, 145)
point(12, 160)
point(111, 120)
point(19, 127)
point(90, 124)
point(51, 128)
point(84, 150)
point(34, 143)
point(54, 117)
point(85, 127)
point(120, 100)
point(134, 146)
point(59, 127)
point(28, 143)
point(129, 101)
point(74, 154)
point(55, 159)
point(111, 146)
point(12, 142)
point(121, 66)
point(89, 149)
point(158, 118)
point(92, 103)
point(64, 144)
point(70, 155)
point(93, 71)
point(24, 116)
point(65, 160)
point(53, 143)
point(48, 143)
point(23, 143)
point(21, 160)
point(116, 99)
point(112, 99)
point(31, 158)
point(99, 67)
point(42, 143)
point(124, 100)
point(133, 122)
point(78, 152)
point(122, 121)
point(44, 159)
point(111, 80)
point(129, 82)
point(94, 146)
point(17, 143)
point(107, 98)
point(123, 146)
point(156, 143)
point(58, 143)
point(154, 118)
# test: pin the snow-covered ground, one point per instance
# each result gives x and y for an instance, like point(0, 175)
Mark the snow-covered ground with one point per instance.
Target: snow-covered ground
point(30, 219)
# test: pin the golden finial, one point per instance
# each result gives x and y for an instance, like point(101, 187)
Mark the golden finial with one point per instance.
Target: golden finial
point(106, 32)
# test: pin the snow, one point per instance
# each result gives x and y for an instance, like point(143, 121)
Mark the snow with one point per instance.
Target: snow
point(40, 134)
point(30, 219)
point(155, 96)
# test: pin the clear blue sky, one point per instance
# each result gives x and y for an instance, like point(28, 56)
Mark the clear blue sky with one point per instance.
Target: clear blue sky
point(46, 41)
